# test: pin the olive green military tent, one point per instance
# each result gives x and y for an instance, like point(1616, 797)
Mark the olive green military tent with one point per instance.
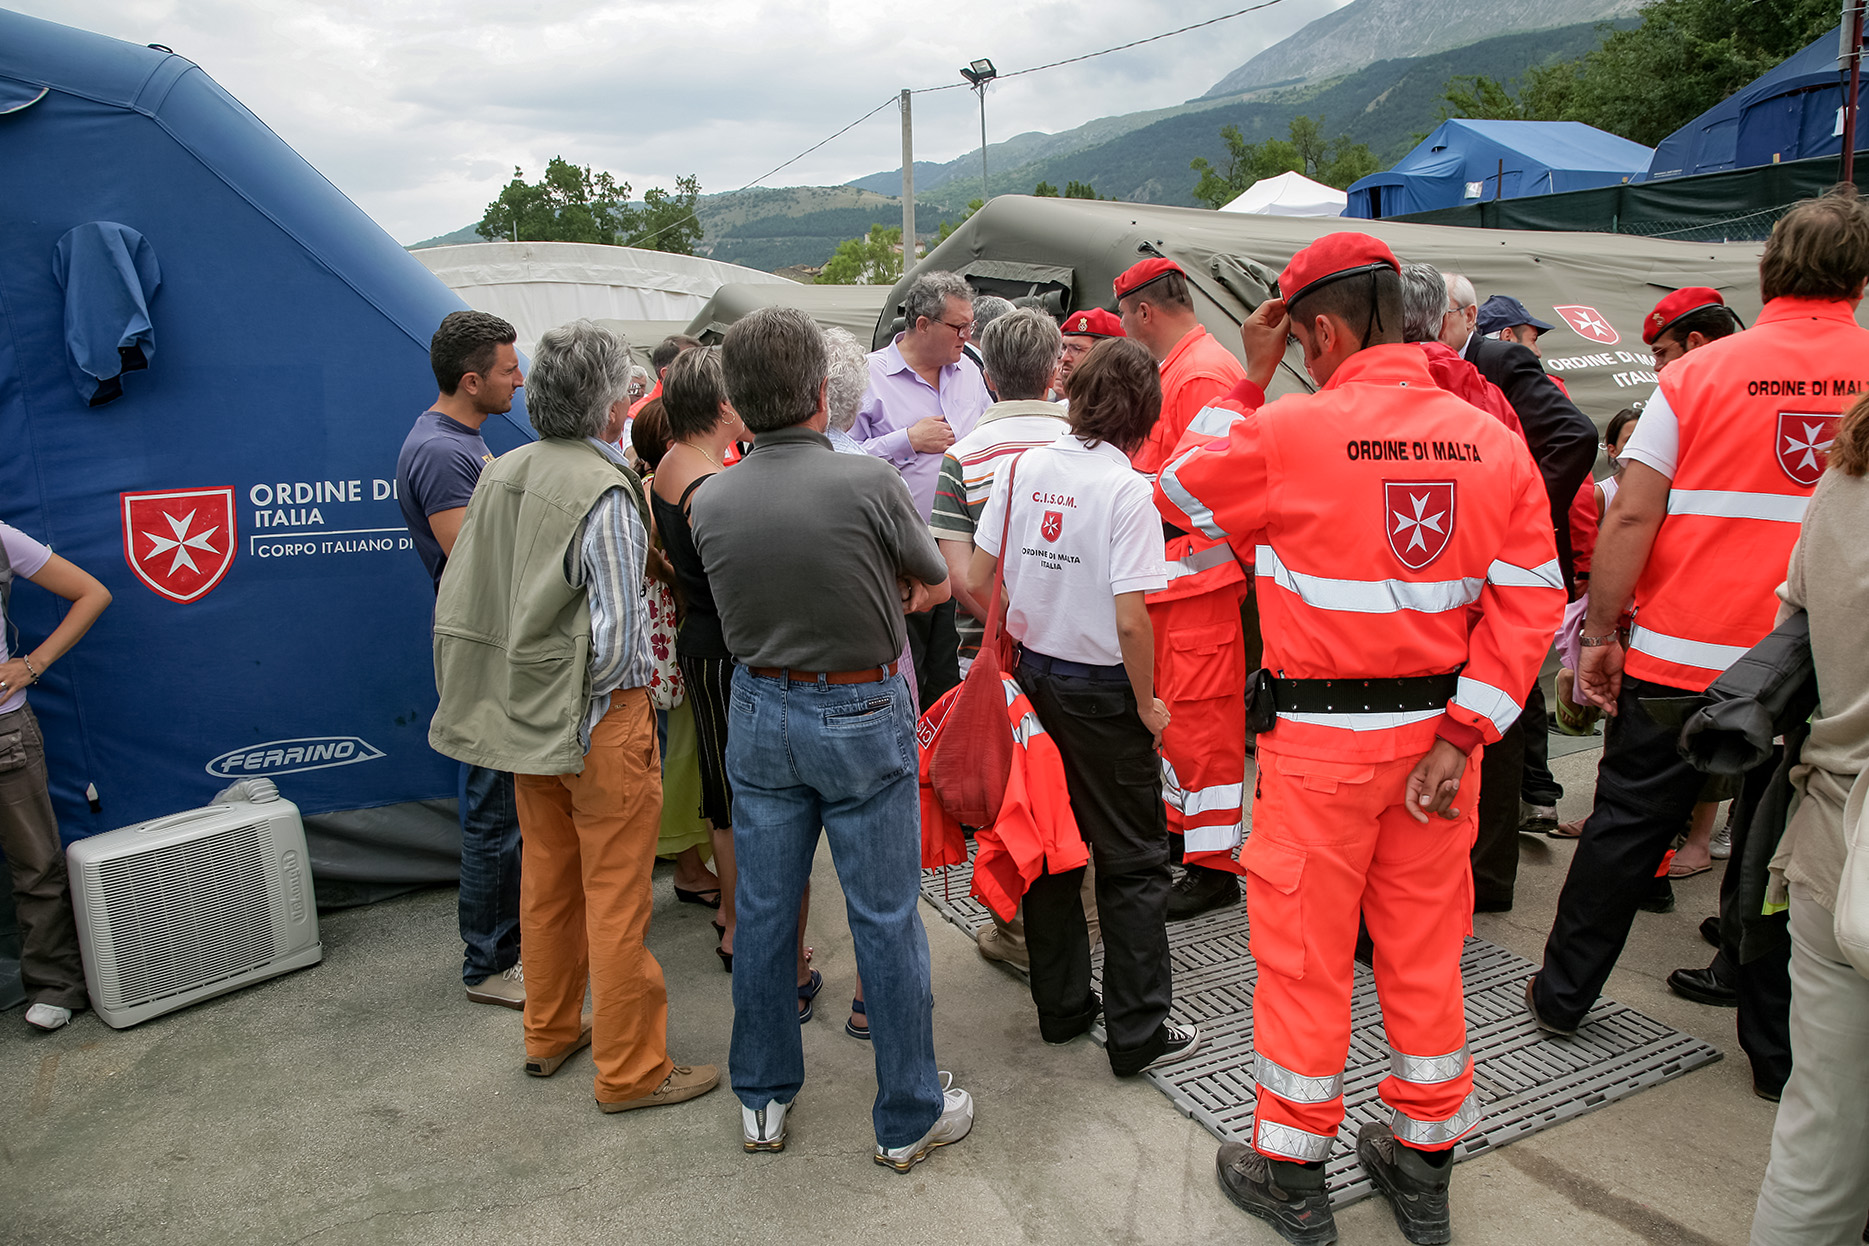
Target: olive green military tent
point(1595, 288)
point(847, 307)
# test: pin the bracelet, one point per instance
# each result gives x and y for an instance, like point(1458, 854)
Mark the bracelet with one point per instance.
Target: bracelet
point(1596, 642)
point(29, 667)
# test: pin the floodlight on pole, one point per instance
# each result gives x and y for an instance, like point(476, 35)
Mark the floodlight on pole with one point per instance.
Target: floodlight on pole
point(979, 73)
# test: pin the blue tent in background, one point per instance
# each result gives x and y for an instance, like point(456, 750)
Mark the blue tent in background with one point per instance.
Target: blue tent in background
point(1461, 163)
point(1792, 113)
point(209, 358)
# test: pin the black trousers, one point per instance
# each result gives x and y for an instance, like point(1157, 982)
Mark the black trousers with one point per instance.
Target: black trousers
point(934, 647)
point(1539, 787)
point(1496, 843)
point(1645, 794)
point(1115, 780)
point(1764, 985)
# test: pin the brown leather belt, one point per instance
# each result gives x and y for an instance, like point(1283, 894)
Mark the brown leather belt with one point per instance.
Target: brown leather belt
point(869, 675)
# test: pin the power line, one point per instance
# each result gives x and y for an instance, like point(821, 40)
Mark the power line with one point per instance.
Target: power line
point(1121, 47)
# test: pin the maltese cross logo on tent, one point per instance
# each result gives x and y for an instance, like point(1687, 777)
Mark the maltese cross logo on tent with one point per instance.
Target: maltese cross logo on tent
point(1804, 442)
point(1420, 519)
point(180, 542)
point(1590, 323)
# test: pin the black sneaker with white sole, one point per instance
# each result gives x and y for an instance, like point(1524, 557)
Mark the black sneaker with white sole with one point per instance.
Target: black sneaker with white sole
point(1178, 1043)
point(1201, 890)
point(1414, 1182)
point(1289, 1196)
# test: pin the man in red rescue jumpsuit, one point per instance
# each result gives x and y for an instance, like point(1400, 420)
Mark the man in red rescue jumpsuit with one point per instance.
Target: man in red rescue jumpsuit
point(1200, 643)
point(1714, 485)
point(1408, 588)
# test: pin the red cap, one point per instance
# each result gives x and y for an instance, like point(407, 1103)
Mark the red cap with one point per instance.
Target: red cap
point(1141, 274)
point(1330, 257)
point(1093, 322)
point(1680, 303)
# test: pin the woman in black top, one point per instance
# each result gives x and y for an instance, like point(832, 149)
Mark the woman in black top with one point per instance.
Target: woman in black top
point(703, 425)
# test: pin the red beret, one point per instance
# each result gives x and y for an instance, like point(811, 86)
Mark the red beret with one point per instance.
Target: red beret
point(1676, 305)
point(1141, 274)
point(1333, 256)
point(1093, 322)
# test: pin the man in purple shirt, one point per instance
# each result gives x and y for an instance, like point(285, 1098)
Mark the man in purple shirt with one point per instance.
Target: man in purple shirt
point(922, 399)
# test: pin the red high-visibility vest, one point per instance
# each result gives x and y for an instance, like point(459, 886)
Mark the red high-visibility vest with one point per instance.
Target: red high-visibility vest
point(1757, 412)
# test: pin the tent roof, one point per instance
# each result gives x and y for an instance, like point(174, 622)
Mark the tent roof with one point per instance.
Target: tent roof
point(1708, 143)
point(1078, 246)
point(855, 308)
point(1536, 158)
point(1290, 194)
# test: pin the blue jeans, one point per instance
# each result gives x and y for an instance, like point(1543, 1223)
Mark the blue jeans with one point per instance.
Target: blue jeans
point(489, 906)
point(841, 757)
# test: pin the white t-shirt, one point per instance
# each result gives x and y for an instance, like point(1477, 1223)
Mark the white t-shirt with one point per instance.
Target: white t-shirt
point(28, 558)
point(1656, 441)
point(1084, 529)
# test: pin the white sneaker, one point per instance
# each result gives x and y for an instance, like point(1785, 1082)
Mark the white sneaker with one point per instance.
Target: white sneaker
point(1720, 847)
point(507, 989)
point(48, 1016)
point(955, 1122)
point(763, 1129)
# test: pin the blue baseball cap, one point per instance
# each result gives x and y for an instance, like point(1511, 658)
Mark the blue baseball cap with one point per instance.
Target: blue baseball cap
point(1502, 311)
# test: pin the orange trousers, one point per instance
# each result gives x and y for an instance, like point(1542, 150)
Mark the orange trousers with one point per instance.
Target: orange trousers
point(1331, 840)
point(1200, 673)
point(584, 900)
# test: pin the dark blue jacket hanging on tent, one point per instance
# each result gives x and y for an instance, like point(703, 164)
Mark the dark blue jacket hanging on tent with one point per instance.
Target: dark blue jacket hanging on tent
point(237, 494)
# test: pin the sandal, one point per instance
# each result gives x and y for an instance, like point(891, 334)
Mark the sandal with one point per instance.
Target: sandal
point(807, 993)
point(852, 1028)
point(699, 897)
point(1568, 830)
point(1676, 871)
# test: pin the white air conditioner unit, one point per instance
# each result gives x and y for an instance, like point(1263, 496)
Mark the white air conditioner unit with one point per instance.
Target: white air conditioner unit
point(180, 909)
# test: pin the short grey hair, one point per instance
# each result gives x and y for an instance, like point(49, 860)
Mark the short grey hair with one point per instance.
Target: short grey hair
point(775, 363)
point(1424, 302)
point(1021, 351)
point(579, 372)
point(986, 309)
point(1460, 292)
point(849, 374)
point(928, 296)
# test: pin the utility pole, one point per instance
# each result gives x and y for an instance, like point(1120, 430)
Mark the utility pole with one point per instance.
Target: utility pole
point(908, 187)
point(1850, 58)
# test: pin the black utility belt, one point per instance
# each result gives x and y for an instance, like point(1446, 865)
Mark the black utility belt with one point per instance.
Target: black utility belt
point(1267, 696)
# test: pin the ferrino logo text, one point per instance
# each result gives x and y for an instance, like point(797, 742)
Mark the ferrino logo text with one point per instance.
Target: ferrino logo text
point(292, 756)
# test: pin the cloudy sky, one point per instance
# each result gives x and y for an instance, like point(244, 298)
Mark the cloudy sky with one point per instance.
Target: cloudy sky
point(419, 109)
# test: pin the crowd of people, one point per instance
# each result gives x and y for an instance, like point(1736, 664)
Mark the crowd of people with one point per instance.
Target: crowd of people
point(701, 616)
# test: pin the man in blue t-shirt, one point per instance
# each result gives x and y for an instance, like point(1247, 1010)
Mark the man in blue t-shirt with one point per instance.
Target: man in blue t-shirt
point(478, 370)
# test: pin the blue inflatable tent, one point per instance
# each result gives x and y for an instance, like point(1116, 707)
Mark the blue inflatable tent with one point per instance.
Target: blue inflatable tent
point(1461, 163)
point(1792, 113)
point(209, 358)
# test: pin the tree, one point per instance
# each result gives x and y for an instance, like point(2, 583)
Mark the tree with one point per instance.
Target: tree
point(1335, 162)
point(948, 227)
point(873, 260)
point(1648, 81)
point(1045, 190)
point(1081, 190)
point(573, 203)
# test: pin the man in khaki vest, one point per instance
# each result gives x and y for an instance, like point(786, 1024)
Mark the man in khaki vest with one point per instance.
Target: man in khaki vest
point(542, 662)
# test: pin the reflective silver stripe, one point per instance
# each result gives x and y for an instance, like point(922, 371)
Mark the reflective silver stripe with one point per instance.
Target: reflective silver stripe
point(1729, 504)
point(1288, 1142)
point(1295, 1087)
point(1511, 575)
point(1211, 838)
point(1362, 722)
point(1488, 702)
point(1428, 1070)
point(1172, 793)
point(1027, 729)
point(1679, 649)
point(1205, 560)
point(1208, 799)
point(1367, 596)
point(1214, 421)
point(1431, 1134)
point(1170, 484)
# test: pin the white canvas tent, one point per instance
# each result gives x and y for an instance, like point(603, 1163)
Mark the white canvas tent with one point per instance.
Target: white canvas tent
point(1290, 194)
point(537, 285)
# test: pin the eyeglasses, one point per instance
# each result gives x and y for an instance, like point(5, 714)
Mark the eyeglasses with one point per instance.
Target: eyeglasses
point(961, 331)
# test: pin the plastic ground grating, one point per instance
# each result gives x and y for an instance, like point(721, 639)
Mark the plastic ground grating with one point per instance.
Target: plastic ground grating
point(1527, 1080)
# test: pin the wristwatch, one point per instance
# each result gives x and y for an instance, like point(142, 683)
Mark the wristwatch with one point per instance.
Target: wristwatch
point(1595, 642)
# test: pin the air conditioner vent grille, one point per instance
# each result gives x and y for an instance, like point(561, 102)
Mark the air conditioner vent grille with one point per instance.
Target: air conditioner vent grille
point(188, 914)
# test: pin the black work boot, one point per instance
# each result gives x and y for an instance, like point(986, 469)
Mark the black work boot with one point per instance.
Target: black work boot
point(1288, 1196)
point(1201, 890)
point(1414, 1182)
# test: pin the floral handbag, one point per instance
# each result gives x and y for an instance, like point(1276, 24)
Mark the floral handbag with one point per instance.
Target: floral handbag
point(666, 689)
